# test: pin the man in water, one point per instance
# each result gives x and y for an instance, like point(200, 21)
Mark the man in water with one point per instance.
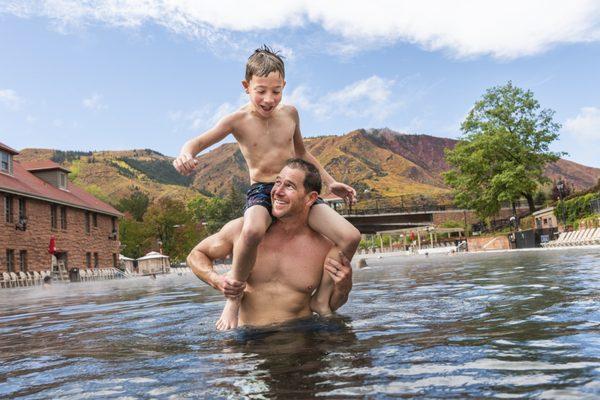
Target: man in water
point(297, 270)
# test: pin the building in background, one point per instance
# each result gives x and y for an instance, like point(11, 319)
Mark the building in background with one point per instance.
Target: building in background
point(38, 203)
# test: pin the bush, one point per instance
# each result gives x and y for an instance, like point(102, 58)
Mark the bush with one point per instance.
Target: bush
point(576, 208)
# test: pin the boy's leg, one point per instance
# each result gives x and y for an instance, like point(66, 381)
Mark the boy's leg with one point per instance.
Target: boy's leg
point(334, 227)
point(256, 222)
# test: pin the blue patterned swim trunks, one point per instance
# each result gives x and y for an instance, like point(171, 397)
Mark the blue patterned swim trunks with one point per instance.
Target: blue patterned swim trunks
point(259, 194)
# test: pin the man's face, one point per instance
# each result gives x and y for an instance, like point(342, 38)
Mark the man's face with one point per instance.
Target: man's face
point(265, 92)
point(288, 195)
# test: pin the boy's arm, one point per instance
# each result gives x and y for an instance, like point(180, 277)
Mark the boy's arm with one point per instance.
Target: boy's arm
point(219, 245)
point(186, 161)
point(335, 285)
point(346, 192)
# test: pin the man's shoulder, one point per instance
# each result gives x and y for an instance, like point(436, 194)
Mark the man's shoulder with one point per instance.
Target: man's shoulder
point(232, 229)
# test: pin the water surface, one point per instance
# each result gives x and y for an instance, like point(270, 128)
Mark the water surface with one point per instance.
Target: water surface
point(510, 325)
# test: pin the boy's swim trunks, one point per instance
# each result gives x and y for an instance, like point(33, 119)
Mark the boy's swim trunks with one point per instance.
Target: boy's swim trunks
point(259, 194)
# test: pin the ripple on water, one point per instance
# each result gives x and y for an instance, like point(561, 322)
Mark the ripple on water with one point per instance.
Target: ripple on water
point(472, 326)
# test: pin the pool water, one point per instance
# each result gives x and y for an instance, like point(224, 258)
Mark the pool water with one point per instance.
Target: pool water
point(505, 325)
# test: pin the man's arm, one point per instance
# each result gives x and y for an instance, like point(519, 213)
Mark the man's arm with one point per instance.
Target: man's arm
point(219, 245)
point(335, 285)
point(186, 161)
point(346, 192)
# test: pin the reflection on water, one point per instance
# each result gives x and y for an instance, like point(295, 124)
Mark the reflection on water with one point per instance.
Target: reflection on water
point(524, 324)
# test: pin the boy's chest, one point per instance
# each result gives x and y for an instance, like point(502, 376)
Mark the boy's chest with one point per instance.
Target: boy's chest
point(272, 132)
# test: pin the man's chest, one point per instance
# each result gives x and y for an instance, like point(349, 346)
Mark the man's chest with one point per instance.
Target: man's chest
point(289, 265)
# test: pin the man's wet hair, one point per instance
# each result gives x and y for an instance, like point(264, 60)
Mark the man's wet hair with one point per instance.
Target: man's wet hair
point(312, 178)
point(263, 61)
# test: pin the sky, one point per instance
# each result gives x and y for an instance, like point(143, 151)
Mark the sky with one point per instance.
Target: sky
point(111, 75)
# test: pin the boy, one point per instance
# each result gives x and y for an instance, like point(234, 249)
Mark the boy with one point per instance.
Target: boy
point(268, 134)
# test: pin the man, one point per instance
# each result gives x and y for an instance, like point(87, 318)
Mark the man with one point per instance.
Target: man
point(292, 260)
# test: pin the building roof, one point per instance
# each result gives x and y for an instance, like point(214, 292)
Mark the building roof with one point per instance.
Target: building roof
point(7, 148)
point(152, 255)
point(43, 165)
point(24, 183)
point(544, 211)
point(124, 258)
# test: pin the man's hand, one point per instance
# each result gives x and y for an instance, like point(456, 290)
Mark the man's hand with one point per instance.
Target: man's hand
point(346, 192)
point(185, 163)
point(341, 273)
point(230, 287)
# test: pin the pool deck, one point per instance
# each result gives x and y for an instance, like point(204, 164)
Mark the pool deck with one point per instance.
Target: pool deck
point(401, 254)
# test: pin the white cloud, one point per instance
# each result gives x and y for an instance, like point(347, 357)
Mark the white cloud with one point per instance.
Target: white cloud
point(10, 99)
point(464, 28)
point(585, 125)
point(94, 102)
point(368, 98)
point(206, 116)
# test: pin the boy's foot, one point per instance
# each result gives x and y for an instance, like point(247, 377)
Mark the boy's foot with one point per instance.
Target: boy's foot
point(229, 316)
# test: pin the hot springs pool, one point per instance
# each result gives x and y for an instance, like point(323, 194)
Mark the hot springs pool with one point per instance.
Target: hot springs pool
point(506, 325)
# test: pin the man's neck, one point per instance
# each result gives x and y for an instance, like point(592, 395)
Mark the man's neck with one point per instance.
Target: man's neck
point(293, 224)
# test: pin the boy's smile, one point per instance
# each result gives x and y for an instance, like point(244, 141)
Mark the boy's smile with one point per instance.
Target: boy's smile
point(265, 93)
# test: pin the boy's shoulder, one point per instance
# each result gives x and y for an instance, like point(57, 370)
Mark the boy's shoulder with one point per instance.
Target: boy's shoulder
point(289, 110)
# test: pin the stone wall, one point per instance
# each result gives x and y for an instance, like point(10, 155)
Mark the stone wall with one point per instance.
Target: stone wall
point(74, 240)
point(476, 243)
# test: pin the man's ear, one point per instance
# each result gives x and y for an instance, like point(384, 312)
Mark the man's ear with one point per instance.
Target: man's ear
point(246, 85)
point(312, 197)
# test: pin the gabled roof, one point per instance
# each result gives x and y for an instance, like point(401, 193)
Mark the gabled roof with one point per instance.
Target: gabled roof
point(24, 183)
point(152, 255)
point(8, 149)
point(43, 165)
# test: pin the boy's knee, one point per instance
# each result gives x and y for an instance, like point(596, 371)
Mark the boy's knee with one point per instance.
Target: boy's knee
point(352, 237)
point(252, 236)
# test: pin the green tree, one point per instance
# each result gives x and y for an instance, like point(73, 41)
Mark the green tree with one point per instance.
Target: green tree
point(503, 151)
point(135, 237)
point(214, 212)
point(136, 204)
point(172, 223)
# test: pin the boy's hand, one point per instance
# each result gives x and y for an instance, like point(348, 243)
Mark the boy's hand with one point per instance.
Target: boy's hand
point(341, 273)
point(346, 192)
point(230, 287)
point(185, 163)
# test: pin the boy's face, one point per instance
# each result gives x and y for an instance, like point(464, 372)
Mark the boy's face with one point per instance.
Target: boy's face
point(265, 92)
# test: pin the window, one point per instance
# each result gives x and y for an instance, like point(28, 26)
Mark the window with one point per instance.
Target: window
point(88, 260)
point(22, 209)
point(95, 219)
point(115, 260)
point(10, 260)
point(23, 260)
point(87, 222)
point(53, 216)
point(5, 162)
point(95, 260)
point(114, 233)
point(8, 208)
point(62, 180)
point(63, 217)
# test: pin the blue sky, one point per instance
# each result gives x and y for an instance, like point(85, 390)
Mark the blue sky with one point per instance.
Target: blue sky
point(105, 75)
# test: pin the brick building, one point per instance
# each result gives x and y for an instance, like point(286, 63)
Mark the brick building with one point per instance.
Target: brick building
point(38, 202)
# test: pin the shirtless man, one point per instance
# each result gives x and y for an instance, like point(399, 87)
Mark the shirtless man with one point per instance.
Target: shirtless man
point(292, 260)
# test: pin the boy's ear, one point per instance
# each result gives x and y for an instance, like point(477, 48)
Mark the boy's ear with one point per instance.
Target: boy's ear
point(246, 85)
point(283, 84)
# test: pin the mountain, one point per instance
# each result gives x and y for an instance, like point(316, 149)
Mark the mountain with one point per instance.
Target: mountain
point(112, 175)
point(377, 161)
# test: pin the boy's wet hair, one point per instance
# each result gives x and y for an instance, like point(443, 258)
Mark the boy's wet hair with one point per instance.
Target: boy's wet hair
point(264, 61)
point(312, 178)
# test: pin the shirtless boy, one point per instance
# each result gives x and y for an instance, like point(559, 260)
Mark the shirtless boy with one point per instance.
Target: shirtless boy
point(268, 134)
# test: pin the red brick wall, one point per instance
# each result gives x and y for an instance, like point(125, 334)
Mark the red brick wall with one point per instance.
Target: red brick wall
point(74, 240)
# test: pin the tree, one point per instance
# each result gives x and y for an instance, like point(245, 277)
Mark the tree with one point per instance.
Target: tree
point(214, 212)
point(136, 204)
point(502, 152)
point(172, 223)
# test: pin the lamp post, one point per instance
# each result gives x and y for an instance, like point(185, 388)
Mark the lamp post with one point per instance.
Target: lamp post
point(560, 186)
